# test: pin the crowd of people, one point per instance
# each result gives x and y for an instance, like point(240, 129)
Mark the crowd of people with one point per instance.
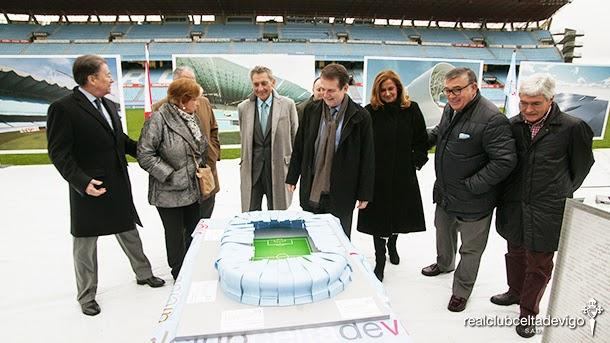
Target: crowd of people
point(343, 156)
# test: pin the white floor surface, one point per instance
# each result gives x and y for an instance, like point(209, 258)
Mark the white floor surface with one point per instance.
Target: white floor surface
point(37, 291)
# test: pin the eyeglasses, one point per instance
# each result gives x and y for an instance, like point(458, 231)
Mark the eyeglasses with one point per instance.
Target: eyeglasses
point(455, 91)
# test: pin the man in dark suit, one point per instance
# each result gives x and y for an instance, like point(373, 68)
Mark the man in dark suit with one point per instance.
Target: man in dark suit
point(87, 146)
point(333, 152)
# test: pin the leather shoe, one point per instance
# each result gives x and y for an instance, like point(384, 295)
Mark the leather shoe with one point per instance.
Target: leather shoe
point(456, 304)
point(433, 270)
point(526, 331)
point(91, 308)
point(505, 299)
point(152, 281)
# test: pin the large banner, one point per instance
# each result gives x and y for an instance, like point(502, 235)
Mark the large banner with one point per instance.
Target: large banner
point(28, 85)
point(423, 79)
point(226, 79)
point(583, 91)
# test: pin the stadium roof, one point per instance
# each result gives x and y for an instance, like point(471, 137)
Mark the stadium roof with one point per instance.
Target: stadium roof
point(442, 10)
point(19, 84)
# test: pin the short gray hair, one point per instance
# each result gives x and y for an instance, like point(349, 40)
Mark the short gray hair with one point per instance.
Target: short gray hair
point(180, 70)
point(538, 84)
point(457, 72)
point(261, 70)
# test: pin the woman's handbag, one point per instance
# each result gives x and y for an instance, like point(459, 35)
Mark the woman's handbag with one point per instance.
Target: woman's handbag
point(205, 178)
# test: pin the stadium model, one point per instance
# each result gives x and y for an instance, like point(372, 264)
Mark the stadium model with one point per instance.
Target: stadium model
point(280, 258)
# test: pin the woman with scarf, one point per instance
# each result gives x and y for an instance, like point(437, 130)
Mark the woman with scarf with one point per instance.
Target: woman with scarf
point(170, 144)
point(400, 138)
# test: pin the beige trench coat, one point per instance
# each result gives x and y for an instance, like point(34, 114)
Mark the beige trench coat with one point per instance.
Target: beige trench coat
point(284, 125)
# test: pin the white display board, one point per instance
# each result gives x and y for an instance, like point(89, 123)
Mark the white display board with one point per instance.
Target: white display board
point(582, 273)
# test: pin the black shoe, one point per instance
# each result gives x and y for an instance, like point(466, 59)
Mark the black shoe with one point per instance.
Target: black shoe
point(457, 304)
point(91, 308)
point(505, 299)
point(433, 270)
point(394, 258)
point(526, 331)
point(152, 281)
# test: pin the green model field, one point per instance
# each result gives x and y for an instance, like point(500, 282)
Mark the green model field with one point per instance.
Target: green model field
point(278, 248)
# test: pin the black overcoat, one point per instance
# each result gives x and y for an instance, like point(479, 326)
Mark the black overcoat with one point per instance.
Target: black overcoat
point(352, 174)
point(550, 168)
point(83, 146)
point(400, 149)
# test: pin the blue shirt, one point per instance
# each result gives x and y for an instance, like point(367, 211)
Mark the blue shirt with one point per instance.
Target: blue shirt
point(259, 105)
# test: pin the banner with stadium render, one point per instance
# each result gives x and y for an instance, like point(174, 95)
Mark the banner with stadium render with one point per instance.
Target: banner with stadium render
point(28, 85)
point(423, 78)
point(226, 79)
point(582, 90)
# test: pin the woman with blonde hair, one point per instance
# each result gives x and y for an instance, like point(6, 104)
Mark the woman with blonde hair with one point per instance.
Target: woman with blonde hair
point(170, 148)
point(400, 137)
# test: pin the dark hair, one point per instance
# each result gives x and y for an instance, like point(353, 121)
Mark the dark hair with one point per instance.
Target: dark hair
point(401, 95)
point(86, 65)
point(457, 72)
point(335, 71)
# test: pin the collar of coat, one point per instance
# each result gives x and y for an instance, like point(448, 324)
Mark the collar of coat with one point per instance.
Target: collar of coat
point(350, 117)
point(88, 106)
point(172, 119)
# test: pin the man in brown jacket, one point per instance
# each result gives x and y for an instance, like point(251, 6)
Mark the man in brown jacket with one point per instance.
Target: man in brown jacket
point(209, 128)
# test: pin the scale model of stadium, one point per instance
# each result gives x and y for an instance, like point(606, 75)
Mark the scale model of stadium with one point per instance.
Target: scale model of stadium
point(281, 258)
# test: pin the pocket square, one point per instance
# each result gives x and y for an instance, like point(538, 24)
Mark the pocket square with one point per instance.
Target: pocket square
point(463, 135)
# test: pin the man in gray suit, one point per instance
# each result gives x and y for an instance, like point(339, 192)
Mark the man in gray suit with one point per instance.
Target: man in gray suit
point(268, 123)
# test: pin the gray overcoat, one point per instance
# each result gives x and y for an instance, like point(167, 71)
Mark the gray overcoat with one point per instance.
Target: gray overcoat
point(164, 151)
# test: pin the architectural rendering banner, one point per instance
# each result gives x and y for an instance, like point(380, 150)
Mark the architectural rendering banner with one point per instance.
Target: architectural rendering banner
point(28, 85)
point(583, 91)
point(423, 78)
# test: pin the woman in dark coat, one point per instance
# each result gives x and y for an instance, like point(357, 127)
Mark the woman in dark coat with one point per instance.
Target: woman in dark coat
point(170, 142)
point(400, 139)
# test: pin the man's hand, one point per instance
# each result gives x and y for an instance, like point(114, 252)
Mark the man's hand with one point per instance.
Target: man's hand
point(290, 187)
point(361, 204)
point(95, 192)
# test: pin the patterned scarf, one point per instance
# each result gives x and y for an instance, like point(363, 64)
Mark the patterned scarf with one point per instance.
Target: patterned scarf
point(189, 119)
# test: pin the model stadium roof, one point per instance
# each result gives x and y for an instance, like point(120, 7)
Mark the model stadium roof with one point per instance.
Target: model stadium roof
point(444, 10)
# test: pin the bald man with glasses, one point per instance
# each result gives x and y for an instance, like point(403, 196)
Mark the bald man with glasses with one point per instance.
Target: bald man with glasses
point(475, 151)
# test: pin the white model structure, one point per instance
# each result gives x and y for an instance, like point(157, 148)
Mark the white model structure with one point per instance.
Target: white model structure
point(291, 277)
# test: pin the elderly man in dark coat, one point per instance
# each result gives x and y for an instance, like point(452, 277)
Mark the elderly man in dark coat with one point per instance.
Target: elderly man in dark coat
point(555, 156)
point(87, 146)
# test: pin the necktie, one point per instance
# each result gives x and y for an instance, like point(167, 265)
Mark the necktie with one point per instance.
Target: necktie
point(333, 113)
point(98, 104)
point(264, 116)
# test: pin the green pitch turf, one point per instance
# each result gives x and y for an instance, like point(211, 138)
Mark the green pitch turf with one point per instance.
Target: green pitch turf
point(278, 248)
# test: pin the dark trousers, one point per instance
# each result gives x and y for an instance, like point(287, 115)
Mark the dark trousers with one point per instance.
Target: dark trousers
point(528, 272)
point(345, 217)
point(207, 206)
point(179, 224)
point(262, 186)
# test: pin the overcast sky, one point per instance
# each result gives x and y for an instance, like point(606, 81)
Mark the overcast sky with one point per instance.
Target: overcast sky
point(590, 17)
